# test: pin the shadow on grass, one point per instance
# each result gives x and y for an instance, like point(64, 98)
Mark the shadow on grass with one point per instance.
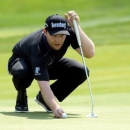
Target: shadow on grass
point(38, 115)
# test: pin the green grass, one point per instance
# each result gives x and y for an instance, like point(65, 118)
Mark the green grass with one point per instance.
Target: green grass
point(107, 24)
point(109, 80)
point(110, 85)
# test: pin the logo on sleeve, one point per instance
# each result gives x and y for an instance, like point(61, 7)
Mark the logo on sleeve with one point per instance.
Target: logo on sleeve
point(37, 71)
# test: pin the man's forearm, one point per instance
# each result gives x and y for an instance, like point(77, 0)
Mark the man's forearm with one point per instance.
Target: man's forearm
point(87, 44)
point(48, 95)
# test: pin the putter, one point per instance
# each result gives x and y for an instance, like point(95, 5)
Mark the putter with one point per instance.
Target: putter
point(91, 115)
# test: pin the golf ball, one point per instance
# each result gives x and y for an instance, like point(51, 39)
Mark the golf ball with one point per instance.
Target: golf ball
point(64, 115)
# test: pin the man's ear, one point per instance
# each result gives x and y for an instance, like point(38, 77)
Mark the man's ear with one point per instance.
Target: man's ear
point(44, 31)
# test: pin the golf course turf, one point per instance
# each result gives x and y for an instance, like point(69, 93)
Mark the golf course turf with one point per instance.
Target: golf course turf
point(107, 23)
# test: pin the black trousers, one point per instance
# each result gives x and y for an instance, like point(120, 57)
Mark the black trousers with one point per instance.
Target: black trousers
point(68, 73)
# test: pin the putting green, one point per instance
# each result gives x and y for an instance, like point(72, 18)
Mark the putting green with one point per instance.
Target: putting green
point(109, 117)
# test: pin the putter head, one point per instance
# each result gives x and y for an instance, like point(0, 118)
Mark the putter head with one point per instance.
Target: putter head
point(91, 115)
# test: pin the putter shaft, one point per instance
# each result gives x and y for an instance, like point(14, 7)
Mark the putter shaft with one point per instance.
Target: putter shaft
point(79, 43)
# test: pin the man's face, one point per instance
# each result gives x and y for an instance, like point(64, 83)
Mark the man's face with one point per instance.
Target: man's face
point(55, 41)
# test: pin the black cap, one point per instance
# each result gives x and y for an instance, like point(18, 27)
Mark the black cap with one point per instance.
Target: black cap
point(56, 24)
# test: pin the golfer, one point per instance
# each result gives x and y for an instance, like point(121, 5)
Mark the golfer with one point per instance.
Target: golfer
point(40, 56)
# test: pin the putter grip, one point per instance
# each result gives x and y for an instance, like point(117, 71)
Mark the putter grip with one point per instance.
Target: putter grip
point(77, 32)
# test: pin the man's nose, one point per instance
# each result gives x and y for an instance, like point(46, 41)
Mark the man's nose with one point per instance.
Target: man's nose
point(58, 39)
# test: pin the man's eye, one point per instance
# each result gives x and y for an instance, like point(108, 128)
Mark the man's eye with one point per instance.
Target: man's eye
point(62, 35)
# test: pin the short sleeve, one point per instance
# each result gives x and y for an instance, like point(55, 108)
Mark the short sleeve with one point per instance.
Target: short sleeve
point(73, 39)
point(40, 69)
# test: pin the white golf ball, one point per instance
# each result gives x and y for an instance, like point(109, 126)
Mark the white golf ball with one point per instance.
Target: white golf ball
point(64, 115)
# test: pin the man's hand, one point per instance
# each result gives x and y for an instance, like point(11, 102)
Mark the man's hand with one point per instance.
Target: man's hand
point(49, 98)
point(70, 16)
point(58, 112)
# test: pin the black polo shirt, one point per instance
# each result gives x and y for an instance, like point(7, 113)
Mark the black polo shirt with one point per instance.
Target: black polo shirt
point(37, 51)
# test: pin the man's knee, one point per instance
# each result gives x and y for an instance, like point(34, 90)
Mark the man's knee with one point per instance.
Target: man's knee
point(85, 71)
point(20, 69)
point(81, 72)
point(21, 73)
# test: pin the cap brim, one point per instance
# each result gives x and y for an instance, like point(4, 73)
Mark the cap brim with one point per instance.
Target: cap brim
point(59, 32)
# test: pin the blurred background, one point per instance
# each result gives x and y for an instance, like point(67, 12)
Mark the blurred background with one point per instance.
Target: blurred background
point(107, 23)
